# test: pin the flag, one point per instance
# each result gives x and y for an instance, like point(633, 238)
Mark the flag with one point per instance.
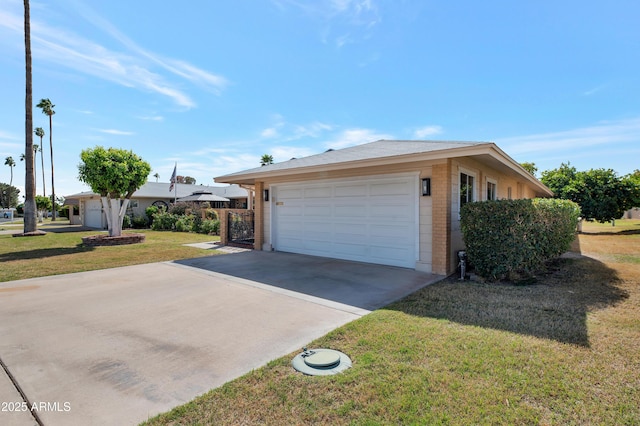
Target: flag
point(173, 178)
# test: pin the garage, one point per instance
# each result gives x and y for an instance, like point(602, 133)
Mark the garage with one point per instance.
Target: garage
point(370, 219)
point(93, 214)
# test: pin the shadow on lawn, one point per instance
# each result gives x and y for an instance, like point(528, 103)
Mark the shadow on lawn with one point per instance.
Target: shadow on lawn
point(554, 308)
point(44, 253)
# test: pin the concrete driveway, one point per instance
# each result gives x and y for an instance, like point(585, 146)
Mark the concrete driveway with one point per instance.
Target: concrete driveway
point(117, 346)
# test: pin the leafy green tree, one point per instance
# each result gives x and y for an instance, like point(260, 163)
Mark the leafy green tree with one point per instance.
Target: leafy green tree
point(115, 174)
point(47, 109)
point(30, 224)
point(39, 131)
point(601, 194)
point(43, 204)
point(266, 159)
point(530, 167)
point(8, 195)
point(186, 180)
point(634, 181)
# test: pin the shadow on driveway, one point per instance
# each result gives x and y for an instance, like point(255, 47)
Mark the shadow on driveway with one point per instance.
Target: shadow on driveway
point(364, 285)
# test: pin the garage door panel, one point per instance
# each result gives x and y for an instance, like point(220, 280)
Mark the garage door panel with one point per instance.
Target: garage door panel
point(293, 193)
point(351, 190)
point(369, 220)
point(318, 192)
point(390, 189)
point(320, 210)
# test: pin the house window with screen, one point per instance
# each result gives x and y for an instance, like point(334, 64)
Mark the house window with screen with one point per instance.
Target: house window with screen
point(492, 190)
point(467, 187)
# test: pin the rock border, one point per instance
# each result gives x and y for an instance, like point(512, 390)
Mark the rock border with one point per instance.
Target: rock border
point(105, 240)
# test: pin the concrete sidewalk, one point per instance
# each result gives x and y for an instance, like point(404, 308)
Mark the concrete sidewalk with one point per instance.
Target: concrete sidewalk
point(121, 345)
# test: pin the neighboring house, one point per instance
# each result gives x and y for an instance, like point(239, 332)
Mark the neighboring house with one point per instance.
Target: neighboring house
point(387, 202)
point(633, 213)
point(86, 207)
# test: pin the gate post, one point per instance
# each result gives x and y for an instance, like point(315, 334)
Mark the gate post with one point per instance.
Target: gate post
point(223, 216)
point(258, 217)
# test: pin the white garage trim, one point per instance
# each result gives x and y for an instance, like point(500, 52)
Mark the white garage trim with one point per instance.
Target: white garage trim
point(368, 219)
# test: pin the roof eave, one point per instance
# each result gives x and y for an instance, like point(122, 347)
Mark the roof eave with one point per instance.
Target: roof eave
point(250, 178)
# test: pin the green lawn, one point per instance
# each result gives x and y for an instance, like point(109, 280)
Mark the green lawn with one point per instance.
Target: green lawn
point(61, 253)
point(562, 351)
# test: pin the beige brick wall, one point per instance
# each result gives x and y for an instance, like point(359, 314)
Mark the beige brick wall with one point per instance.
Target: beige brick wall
point(441, 217)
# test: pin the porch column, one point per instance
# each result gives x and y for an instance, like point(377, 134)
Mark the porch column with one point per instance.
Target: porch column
point(441, 194)
point(258, 217)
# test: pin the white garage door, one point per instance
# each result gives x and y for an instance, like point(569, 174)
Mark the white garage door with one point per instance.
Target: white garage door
point(93, 214)
point(368, 220)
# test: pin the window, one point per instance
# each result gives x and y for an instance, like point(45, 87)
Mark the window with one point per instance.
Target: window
point(133, 204)
point(492, 190)
point(509, 193)
point(467, 187)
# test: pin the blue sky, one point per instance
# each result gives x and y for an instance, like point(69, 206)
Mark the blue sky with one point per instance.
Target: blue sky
point(215, 85)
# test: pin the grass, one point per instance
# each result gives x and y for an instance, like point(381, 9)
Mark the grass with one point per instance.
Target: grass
point(62, 252)
point(561, 351)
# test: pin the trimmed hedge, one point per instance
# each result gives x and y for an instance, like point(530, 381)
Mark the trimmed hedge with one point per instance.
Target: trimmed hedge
point(511, 238)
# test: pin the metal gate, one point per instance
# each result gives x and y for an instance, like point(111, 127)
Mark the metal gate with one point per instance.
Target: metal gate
point(240, 228)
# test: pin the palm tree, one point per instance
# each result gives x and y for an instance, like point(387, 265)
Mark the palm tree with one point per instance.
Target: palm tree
point(47, 109)
point(30, 224)
point(266, 159)
point(157, 176)
point(23, 157)
point(40, 132)
point(9, 162)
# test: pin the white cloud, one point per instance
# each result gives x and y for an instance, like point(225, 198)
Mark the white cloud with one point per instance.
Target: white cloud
point(351, 137)
point(284, 153)
point(285, 131)
point(116, 132)
point(610, 133)
point(269, 133)
point(151, 117)
point(427, 131)
point(352, 20)
point(132, 66)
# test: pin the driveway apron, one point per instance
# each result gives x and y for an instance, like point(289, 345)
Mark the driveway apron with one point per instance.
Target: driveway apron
point(118, 346)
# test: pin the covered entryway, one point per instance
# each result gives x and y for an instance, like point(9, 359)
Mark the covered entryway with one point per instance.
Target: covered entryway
point(369, 219)
point(93, 213)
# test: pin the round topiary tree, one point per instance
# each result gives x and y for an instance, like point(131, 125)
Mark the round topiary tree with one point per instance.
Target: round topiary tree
point(115, 174)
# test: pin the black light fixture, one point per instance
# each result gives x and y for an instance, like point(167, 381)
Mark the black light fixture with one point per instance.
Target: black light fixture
point(426, 187)
point(266, 194)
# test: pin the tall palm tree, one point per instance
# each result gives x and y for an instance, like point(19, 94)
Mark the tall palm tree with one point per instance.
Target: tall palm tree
point(9, 162)
point(40, 132)
point(157, 176)
point(47, 109)
point(30, 224)
point(23, 157)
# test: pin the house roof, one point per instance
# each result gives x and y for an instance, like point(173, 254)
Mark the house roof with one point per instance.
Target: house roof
point(160, 190)
point(203, 196)
point(385, 152)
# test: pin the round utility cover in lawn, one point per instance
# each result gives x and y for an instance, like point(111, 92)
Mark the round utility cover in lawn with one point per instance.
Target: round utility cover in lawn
point(321, 362)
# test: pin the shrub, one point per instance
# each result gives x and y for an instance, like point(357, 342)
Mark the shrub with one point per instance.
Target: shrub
point(508, 238)
point(210, 227)
point(126, 222)
point(184, 224)
point(150, 211)
point(211, 214)
point(179, 209)
point(164, 221)
point(139, 222)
